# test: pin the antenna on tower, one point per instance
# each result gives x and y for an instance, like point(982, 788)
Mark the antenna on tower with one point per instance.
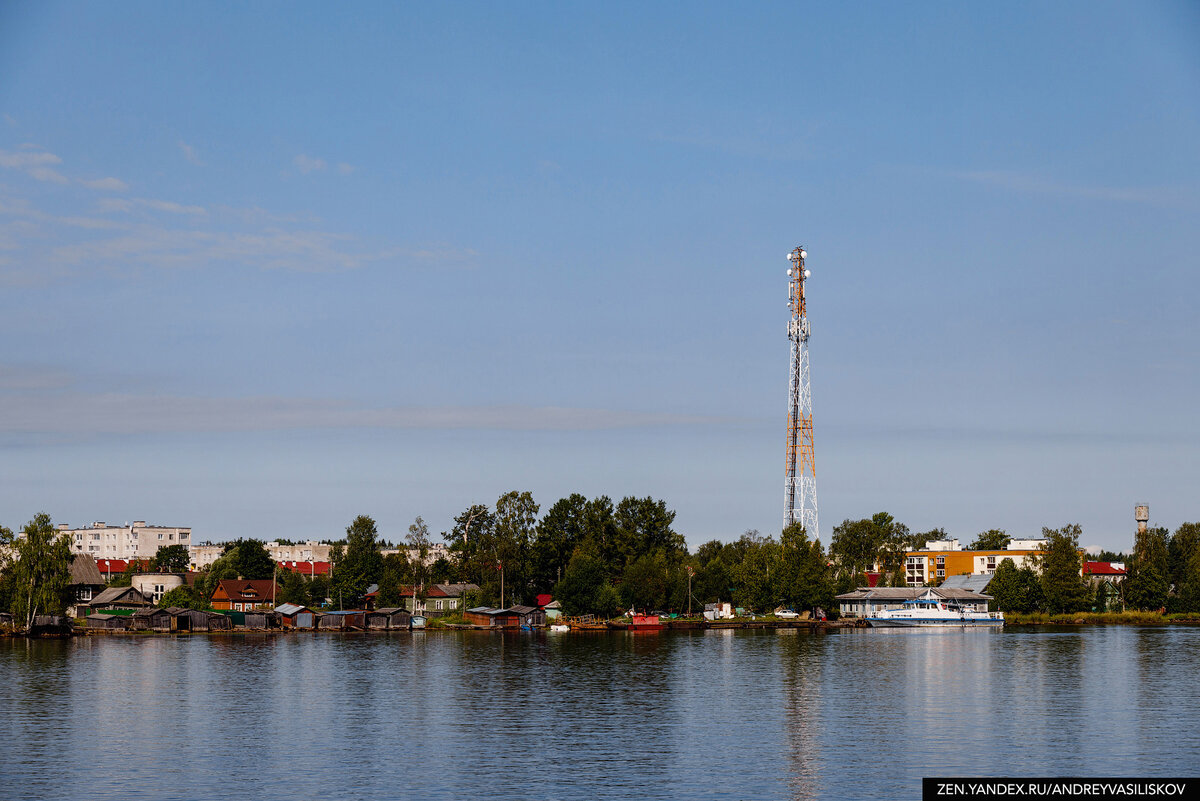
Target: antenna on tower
point(801, 471)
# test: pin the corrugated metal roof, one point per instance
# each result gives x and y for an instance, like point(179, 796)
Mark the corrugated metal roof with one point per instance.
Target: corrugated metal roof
point(972, 582)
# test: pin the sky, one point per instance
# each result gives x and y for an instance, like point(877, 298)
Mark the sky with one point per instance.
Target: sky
point(267, 267)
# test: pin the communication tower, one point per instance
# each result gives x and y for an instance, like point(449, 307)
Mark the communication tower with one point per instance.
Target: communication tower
point(800, 485)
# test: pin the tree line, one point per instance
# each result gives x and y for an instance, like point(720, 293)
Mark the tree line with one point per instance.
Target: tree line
point(597, 557)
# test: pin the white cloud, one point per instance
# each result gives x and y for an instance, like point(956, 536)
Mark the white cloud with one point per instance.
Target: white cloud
point(190, 153)
point(34, 164)
point(26, 160)
point(1036, 184)
point(307, 164)
point(106, 184)
point(69, 413)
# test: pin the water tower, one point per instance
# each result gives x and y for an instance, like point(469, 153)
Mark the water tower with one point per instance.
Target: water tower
point(1141, 513)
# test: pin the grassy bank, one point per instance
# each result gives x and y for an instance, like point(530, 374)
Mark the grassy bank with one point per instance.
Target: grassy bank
point(1100, 618)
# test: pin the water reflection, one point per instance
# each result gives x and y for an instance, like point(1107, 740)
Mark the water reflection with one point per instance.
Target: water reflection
point(717, 714)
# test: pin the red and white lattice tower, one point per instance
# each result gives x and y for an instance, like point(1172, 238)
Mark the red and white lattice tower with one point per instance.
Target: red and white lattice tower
point(800, 487)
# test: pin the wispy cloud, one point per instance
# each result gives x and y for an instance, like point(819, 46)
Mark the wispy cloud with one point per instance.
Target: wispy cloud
point(118, 234)
point(59, 414)
point(1036, 184)
point(106, 184)
point(190, 153)
point(35, 164)
point(307, 164)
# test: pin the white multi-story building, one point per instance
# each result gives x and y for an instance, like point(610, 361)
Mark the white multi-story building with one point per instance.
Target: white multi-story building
point(206, 553)
point(135, 540)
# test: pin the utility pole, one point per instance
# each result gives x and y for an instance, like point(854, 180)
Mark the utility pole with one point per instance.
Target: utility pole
point(800, 467)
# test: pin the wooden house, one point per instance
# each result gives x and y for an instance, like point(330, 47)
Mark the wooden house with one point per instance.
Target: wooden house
point(392, 618)
point(108, 622)
point(118, 598)
point(204, 620)
point(84, 584)
point(242, 595)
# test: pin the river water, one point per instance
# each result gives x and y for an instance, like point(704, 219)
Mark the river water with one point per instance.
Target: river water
point(678, 715)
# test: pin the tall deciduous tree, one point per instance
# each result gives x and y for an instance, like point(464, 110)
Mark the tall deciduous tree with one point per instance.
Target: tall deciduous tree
point(558, 532)
point(516, 517)
point(172, 559)
point(362, 563)
point(42, 571)
point(994, 539)
point(1063, 587)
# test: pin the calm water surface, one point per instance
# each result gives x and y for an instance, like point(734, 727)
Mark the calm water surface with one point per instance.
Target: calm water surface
point(687, 715)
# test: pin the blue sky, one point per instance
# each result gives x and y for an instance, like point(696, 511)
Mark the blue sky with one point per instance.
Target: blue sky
point(267, 267)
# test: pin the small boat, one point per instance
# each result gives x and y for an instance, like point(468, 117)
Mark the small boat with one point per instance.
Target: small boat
point(559, 627)
point(930, 610)
point(645, 623)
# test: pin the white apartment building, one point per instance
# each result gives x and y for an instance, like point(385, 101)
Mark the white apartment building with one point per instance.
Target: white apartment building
point(206, 553)
point(135, 540)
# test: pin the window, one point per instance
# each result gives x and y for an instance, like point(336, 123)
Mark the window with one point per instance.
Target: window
point(941, 573)
point(160, 536)
point(437, 605)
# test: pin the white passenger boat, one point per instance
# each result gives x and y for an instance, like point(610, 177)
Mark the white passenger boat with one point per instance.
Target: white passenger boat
point(930, 610)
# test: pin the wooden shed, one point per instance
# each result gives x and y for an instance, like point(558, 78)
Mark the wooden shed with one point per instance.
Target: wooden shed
point(526, 617)
point(152, 619)
point(295, 616)
point(108, 622)
point(392, 618)
point(262, 619)
point(343, 620)
point(203, 620)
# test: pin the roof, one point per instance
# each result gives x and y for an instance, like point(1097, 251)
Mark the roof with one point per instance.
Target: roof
point(975, 582)
point(110, 566)
point(544, 598)
point(253, 590)
point(290, 609)
point(389, 610)
point(84, 570)
point(521, 610)
point(306, 568)
point(909, 593)
point(118, 594)
point(1102, 569)
point(101, 616)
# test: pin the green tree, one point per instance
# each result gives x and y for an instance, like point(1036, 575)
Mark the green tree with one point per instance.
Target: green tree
point(1185, 543)
point(516, 518)
point(757, 573)
point(293, 588)
point(418, 546)
point(558, 532)
point(362, 563)
point(644, 527)
point(647, 583)
point(395, 568)
point(241, 558)
point(172, 559)
point(183, 597)
point(858, 545)
point(1063, 587)
point(474, 527)
point(42, 571)
point(1146, 589)
point(1014, 590)
point(994, 539)
point(584, 589)
point(125, 577)
point(6, 579)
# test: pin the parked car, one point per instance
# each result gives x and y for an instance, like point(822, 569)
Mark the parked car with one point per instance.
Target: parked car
point(786, 614)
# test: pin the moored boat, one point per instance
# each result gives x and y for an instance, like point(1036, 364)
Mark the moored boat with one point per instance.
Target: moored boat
point(645, 623)
point(929, 610)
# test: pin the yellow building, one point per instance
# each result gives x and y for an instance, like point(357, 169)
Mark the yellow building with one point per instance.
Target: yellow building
point(943, 558)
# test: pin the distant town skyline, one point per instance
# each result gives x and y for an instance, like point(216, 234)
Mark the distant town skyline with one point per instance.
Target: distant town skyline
point(266, 268)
